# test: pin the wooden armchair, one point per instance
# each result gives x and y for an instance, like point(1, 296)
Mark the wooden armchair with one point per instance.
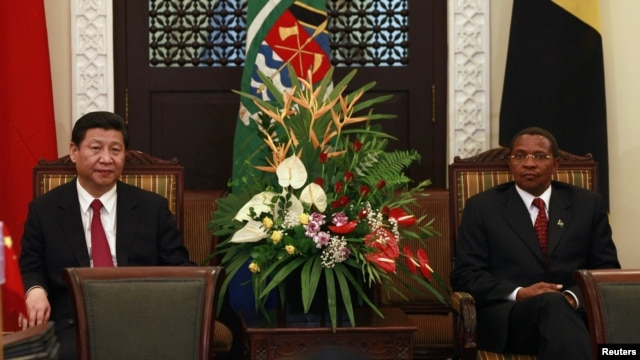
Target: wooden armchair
point(473, 175)
point(166, 178)
point(149, 312)
point(611, 302)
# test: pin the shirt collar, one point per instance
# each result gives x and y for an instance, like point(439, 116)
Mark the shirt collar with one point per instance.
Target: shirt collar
point(528, 198)
point(108, 199)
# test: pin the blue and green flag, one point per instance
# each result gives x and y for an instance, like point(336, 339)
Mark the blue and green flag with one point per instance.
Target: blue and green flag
point(279, 33)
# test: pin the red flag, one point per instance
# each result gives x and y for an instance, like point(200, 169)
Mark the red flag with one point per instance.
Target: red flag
point(27, 124)
point(12, 287)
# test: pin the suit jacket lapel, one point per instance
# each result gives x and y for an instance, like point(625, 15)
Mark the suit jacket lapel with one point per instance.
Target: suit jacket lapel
point(73, 231)
point(559, 217)
point(127, 218)
point(518, 218)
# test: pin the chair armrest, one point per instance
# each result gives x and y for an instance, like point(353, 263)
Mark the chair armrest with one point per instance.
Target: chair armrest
point(464, 325)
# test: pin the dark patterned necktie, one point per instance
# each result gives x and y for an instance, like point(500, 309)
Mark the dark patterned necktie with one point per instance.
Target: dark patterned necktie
point(99, 245)
point(541, 226)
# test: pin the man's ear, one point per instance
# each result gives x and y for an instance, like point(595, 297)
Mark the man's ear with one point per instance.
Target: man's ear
point(73, 152)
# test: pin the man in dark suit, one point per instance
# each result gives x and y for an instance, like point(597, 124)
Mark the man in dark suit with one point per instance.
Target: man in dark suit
point(526, 299)
point(139, 227)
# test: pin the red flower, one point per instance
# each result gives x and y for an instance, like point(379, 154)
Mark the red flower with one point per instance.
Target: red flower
point(348, 176)
point(344, 229)
point(381, 184)
point(384, 210)
point(342, 201)
point(387, 250)
point(323, 157)
point(402, 217)
point(424, 264)
point(362, 214)
point(338, 187)
point(364, 190)
point(357, 145)
point(319, 181)
point(411, 264)
point(383, 262)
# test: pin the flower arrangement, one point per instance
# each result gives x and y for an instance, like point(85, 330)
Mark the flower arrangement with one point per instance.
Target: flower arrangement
point(331, 203)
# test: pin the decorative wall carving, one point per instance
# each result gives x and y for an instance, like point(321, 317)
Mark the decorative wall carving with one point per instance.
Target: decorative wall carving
point(469, 78)
point(92, 56)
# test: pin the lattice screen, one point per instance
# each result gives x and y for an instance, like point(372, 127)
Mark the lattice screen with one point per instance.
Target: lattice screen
point(189, 33)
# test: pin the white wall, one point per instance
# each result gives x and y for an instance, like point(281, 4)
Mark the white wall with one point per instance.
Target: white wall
point(59, 32)
point(621, 56)
point(620, 27)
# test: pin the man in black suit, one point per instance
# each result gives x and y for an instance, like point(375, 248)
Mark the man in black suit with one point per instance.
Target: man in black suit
point(526, 299)
point(139, 226)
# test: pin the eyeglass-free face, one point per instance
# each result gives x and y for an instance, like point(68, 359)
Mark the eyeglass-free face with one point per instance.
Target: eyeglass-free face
point(532, 164)
point(99, 160)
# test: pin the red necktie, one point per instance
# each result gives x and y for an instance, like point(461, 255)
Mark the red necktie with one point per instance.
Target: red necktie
point(99, 246)
point(541, 226)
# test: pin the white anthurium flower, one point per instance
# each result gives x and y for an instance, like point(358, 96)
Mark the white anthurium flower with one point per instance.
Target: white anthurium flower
point(313, 194)
point(295, 210)
point(291, 172)
point(260, 203)
point(253, 231)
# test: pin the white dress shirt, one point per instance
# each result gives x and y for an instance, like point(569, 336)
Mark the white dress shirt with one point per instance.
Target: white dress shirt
point(107, 215)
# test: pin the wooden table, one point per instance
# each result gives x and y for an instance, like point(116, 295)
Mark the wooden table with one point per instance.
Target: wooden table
point(373, 337)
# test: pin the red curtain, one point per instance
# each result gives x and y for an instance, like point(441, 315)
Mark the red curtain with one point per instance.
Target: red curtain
point(27, 125)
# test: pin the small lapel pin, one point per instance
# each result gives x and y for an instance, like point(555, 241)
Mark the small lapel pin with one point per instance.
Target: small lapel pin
point(560, 223)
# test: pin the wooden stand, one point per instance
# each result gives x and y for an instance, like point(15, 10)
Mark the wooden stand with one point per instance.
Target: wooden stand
point(373, 337)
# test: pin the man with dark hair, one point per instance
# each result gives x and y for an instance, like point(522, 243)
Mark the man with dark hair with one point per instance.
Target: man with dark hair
point(518, 246)
point(139, 228)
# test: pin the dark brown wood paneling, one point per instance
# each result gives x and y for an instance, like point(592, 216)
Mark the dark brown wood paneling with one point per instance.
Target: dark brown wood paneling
point(201, 118)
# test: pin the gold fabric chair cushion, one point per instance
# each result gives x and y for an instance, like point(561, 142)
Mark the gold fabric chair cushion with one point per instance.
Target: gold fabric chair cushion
point(486, 355)
point(164, 185)
point(222, 338)
point(469, 183)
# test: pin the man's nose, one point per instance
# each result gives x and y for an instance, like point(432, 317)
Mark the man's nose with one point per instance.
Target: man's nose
point(105, 156)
